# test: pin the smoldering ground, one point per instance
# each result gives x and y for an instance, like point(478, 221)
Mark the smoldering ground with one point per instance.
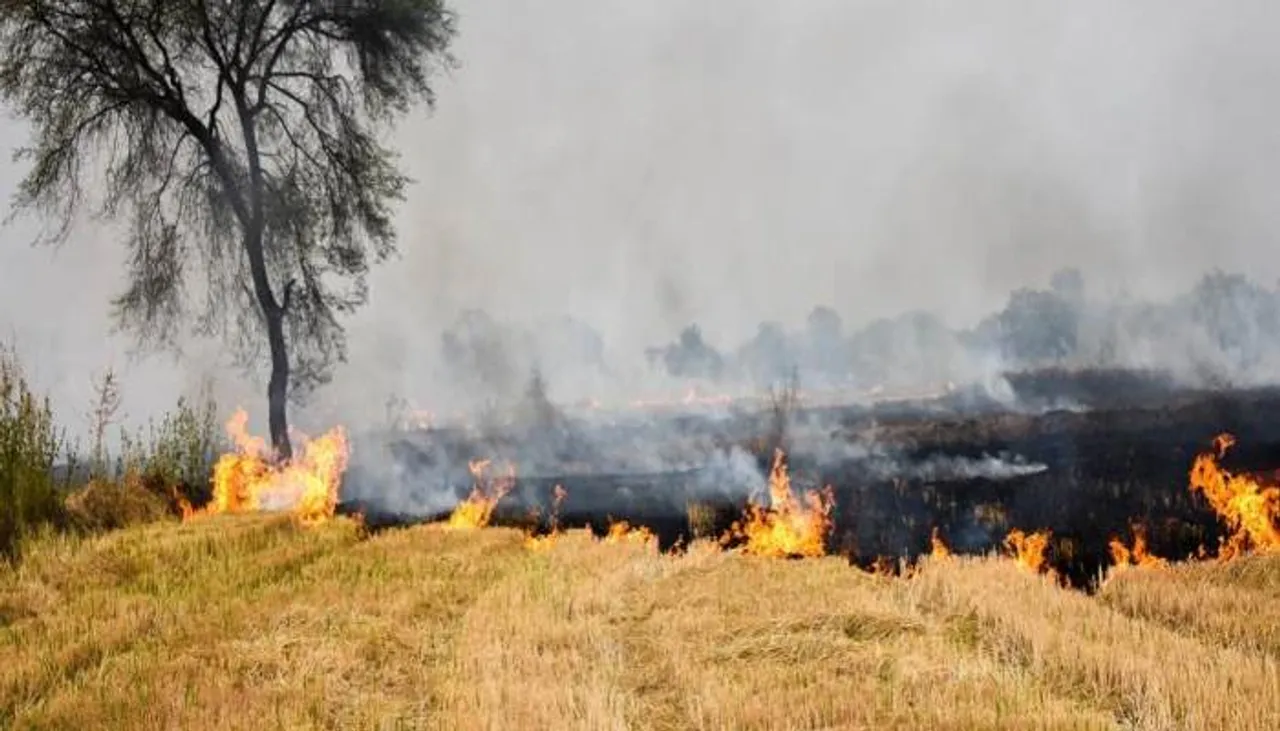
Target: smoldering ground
point(635, 465)
point(899, 471)
point(1059, 345)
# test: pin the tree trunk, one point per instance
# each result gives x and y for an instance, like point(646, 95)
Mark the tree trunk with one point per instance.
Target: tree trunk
point(273, 310)
point(278, 386)
point(273, 313)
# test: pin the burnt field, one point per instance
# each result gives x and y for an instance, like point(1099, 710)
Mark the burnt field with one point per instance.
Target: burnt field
point(969, 468)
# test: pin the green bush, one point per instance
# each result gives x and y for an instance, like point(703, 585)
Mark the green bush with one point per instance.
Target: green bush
point(29, 446)
point(157, 472)
point(178, 453)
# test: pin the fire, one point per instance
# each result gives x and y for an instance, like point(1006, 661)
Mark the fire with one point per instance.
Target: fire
point(248, 480)
point(883, 566)
point(1139, 555)
point(1028, 550)
point(477, 510)
point(786, 527)
point(1250, 510)
point(182, 504)
point(543, 542)
point(622, 532)
point(540, 543)
point(937, 547)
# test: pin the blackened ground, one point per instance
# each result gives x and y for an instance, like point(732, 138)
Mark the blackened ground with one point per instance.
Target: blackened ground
point(1109, 468)
point(1091, 388)
point(656, 501)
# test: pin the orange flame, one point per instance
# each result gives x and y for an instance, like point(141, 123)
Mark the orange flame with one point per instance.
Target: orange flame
point(540, 543)
point(883, 566)
point(246, 480)
point(937, 547)
point(477, 510)
point(786, 527)
point(1250, 509)
point(182, 504)
point(543, 542)
point(1139, 555)
point(622, 532)
point(1028, 549)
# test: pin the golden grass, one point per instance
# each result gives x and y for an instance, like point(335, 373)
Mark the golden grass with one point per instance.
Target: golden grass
point(1143, 673)
point(1236, 604)
point(254, 623)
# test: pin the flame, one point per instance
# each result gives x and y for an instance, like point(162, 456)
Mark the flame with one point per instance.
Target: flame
point(786, 527)
point(181, 502)
point(477, 510)
point(1250, 509)
point(1028, 550)
point(540, 543)
point(1123, 556)
point(248, 480)
point(937, 547)
point(883, 566)
point(622, 532)
point(547, 540)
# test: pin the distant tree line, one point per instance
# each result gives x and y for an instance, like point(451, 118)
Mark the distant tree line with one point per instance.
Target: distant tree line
point(1225, 329)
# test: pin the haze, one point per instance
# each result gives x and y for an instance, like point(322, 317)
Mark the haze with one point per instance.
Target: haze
point(642, 166)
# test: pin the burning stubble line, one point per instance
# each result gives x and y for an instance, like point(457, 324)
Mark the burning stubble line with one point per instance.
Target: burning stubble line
point(785, 523)
point(412, 474)
point(571, 611)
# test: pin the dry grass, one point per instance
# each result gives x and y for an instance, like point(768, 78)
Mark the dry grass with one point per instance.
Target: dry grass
point(103, 505)
point(1145, 674)
point(253, 623)
point(1233, 605)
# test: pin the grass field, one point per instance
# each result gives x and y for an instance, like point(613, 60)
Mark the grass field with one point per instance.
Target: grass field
point(252, 622)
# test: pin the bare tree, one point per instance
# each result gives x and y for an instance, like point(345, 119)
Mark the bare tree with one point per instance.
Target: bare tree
point(240, 141)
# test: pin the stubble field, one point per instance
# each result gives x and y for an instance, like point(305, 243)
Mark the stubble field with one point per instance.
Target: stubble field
point(256, 622)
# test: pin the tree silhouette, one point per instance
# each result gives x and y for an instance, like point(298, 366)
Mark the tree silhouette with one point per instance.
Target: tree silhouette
point(240, 140)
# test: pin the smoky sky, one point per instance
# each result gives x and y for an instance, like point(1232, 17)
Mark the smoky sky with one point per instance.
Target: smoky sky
point(642, 166)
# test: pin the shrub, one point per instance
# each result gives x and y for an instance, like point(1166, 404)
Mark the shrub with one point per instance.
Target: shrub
point(178, 454)
point(29, 446)
point(110, 504)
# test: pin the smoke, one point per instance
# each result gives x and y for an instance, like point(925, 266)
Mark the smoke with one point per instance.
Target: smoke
point(401, 484)
point(612, 461)
point(942, 468)
point(644, 167)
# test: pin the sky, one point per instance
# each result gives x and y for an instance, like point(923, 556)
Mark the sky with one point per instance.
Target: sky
point(642, 166)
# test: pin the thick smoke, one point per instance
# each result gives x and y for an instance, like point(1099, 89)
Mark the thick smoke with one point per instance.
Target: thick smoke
point(1223, 332)
point(849, 190)
point(713, 452)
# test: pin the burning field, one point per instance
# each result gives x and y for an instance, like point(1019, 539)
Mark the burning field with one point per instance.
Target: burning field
point(921, 584)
